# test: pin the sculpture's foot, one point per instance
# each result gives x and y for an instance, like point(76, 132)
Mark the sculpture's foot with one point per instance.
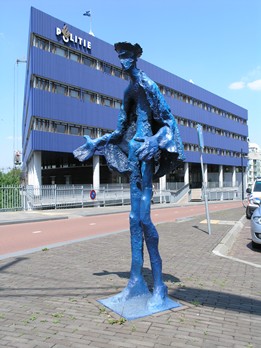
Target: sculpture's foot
point(134, 288)
point(158, 297)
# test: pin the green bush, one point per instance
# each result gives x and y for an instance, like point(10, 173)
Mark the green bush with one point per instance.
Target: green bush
point(10, 178)
point(10, 197)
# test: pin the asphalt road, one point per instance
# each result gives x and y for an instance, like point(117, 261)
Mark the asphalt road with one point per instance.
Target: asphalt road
point(35, 235)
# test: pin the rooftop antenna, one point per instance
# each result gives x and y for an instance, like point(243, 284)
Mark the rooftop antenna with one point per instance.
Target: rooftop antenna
point(21, 61)
point(89, 14)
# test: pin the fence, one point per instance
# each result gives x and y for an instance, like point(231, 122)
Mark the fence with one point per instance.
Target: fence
point(221, 194)
point(216, 184)
point(10, 198)
point(67, 196)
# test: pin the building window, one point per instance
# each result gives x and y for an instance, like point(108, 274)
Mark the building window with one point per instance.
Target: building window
point(106, 101)
point(74, 93)
point(107, 69)
point(116, 72)
point(41, 84)
point(117, 104)
point(99, 65)
point(89, 62)
point(60, 89)
point(41, 43)
point(74, 130)
point(90, 97)
point(125, 76)
point(87, 131)
point(75, 57)
point(59, 50)
point(61, 128)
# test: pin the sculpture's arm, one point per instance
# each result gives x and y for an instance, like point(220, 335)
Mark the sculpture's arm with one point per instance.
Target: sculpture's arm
point(164, 139)
point(87, 150)
point(152, 145)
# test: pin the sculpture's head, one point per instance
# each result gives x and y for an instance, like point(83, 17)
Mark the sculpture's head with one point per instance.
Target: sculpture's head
point(128, 54)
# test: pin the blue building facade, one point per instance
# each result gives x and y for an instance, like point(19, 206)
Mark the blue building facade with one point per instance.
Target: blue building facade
point(74, 87)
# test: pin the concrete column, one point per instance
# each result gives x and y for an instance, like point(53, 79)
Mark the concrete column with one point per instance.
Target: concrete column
point(96, 172)
point(186, 173)
point(245, 181)
point(234, 177)
point(206, 174)
point(163, 183)
point(220, 176)
point(34, 176)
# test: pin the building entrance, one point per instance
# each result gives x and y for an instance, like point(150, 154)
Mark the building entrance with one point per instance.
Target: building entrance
point(195, 175)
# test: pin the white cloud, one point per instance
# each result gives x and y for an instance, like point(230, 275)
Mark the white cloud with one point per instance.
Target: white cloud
point(255, 85)
point(251, 80)
point(237, 85)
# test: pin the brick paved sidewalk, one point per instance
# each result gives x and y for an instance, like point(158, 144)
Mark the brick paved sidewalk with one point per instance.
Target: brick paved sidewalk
point(243, 246)
point(48, 299)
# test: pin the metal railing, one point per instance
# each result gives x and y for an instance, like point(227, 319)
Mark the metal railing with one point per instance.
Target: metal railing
point(66, 196)
point(221, 194)
point(10, 198)
point(215, 184)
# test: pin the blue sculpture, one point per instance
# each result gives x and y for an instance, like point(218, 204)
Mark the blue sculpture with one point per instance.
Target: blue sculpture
point(145, 145)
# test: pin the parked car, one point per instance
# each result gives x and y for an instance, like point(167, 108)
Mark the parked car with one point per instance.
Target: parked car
point(256, 225)
point(254, 192)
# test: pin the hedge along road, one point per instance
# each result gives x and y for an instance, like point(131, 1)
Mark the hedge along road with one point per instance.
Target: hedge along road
point(22, 238)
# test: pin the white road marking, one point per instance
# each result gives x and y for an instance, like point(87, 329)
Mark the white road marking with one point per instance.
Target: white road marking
point(37, 232)
point(92, 223)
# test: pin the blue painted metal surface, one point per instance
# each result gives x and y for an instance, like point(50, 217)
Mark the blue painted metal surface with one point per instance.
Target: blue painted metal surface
point(136, 307)
point(146, 143)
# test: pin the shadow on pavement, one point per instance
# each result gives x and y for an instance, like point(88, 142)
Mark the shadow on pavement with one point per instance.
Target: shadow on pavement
point(146, 273)
point(200, 229)
point(10, 264)
point(257, 249)
point(193, 296)
point(211, 298)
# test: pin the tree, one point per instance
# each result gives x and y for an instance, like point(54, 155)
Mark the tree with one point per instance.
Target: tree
point(10, 196)
point(10, 178)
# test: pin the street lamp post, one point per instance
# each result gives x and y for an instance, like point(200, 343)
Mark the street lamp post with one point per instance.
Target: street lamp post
point(242, 174)
point(16, 152)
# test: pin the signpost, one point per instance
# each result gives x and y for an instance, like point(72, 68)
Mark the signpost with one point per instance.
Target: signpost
point(201, 146)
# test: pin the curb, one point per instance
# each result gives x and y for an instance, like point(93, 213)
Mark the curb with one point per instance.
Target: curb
point(15, 222)
point(223, 248)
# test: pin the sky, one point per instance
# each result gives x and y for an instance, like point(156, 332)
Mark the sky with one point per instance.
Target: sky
point(214, 43)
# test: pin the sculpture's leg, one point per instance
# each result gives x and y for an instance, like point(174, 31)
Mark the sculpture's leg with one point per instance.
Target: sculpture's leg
point(136, 285)
point(152, 239)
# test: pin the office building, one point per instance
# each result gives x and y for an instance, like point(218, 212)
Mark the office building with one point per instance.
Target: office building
point(74, 87)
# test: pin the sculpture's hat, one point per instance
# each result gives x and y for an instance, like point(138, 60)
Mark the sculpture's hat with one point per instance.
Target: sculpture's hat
point(127, 46)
